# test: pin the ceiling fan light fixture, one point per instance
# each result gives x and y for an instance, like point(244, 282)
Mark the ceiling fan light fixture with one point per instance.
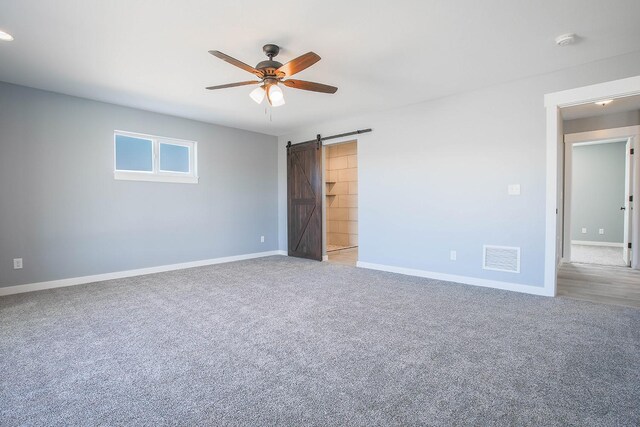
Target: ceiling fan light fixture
point(258, 94)
point(276, 96)
point(5, 36)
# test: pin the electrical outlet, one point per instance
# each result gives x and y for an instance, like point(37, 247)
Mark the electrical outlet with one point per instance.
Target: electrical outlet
point(453, 255)
point(601, 231)
point(513, 189)
point(17, 263)
point(261, 239)
point(584, 230)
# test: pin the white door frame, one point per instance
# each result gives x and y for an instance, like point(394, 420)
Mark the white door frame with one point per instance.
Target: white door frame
point(630, 134)
point(553, 102)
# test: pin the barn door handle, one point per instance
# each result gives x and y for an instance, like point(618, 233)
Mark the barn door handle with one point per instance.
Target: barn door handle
point(623, 208)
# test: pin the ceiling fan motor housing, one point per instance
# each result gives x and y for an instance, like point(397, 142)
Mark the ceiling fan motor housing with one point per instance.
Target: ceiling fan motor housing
point(271, 50)
point(270, 66)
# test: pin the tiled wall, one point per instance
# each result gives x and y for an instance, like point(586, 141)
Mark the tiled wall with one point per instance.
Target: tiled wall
point(342, 194)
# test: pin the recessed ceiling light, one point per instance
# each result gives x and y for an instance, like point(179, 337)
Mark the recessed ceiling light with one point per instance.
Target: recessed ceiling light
point(5, 36)
point(566, 39)
point(603, 102)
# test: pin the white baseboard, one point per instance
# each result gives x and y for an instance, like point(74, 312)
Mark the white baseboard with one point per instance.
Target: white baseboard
point(496, 284)
point(18, 289)
point(590, 243)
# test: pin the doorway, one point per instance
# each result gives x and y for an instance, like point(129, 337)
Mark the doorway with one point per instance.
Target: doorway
point(598, 225)
point(341, 202)
point(554, 103)
point(597, 207)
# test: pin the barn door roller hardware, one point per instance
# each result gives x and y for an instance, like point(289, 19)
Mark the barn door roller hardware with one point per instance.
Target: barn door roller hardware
point(320, 138)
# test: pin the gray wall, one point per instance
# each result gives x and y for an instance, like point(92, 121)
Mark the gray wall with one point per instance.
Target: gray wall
point(63, 212)
point(588, 124)
point(433, 176)
point(597, 192)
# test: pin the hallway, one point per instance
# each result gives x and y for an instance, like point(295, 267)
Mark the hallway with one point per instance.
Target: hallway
point(599, 283)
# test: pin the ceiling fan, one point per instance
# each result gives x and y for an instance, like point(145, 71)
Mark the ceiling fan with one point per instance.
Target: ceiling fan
point(271, 73)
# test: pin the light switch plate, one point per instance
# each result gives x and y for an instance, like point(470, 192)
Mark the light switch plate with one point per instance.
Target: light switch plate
point(513, 189)
point(601, 231)
point(17, 263)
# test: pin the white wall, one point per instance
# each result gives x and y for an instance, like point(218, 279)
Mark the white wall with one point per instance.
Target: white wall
point(433, 176)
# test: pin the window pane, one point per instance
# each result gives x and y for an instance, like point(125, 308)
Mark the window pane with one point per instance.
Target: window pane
point(174, 158)
point(134, 154)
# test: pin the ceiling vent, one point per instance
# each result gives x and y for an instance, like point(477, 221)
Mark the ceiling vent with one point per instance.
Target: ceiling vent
point(501, 258)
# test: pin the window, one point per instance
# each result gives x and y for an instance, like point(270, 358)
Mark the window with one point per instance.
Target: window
point(141, 157)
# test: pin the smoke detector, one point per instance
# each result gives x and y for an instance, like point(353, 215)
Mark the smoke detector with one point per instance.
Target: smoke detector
point(566, 39)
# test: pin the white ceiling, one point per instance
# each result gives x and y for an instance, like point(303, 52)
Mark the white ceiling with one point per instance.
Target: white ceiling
point(620, 105)
point(152, 54)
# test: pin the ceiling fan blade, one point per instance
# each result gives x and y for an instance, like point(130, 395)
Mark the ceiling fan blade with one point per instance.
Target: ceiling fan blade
point(314, 87)
point(250, 82)
point(235, 62)
point(298, 64)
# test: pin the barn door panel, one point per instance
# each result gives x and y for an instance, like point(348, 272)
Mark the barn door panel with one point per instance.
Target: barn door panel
point(304, 200)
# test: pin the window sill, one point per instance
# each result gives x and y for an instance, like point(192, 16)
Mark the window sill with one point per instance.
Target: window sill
point(134, 176)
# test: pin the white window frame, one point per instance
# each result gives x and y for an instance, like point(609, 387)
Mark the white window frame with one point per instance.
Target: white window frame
point(157, 174)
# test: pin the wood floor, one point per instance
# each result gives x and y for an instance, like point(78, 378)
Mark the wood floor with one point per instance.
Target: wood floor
point(600, 283)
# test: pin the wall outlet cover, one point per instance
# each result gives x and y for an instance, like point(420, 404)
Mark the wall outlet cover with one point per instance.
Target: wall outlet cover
point(601, 231)
point(453, 255)
point(513, 189)
point(17, 263)
point(261, 239)
point(584, 230)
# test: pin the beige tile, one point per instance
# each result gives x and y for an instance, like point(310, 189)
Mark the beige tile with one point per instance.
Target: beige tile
point(338, 214)
point(342, 239)
point(331, 150)
point(340, 188)
point(337, 163)
point(348, 174)
point(353, 214)
point(332, 238)
point(347, 149)
point(332, 226)
point(343, 227)
point(332, 176)
point(353, 239)
point(352, 161)
point(352, 227)
point(353, 187)
point(348, 201)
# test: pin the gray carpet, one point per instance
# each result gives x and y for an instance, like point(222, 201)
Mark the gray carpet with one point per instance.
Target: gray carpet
point(283, 341)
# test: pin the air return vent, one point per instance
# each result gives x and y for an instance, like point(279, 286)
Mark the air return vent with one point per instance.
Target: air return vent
point(501, 258)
